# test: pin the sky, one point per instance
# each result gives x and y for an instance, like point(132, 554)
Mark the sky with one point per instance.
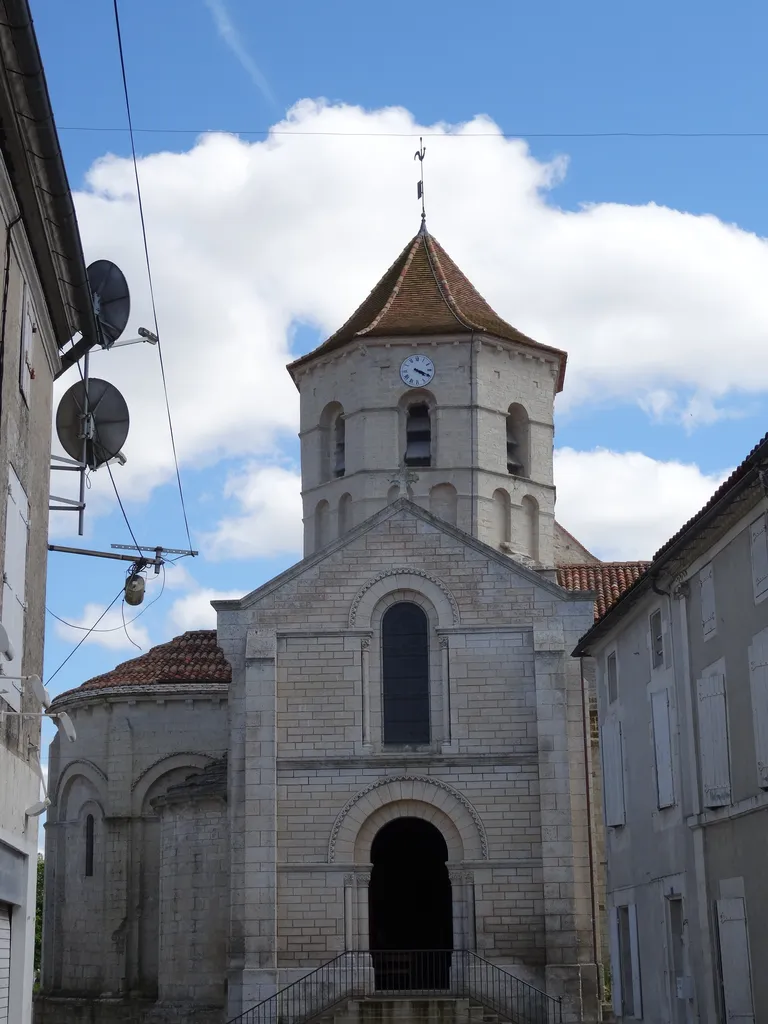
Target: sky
point(587, 166)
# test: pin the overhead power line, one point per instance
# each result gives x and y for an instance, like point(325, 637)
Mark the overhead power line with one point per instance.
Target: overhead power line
point(421, 134)
point(149, 269)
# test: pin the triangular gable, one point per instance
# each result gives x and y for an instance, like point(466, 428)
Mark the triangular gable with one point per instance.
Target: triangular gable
point(391, 511)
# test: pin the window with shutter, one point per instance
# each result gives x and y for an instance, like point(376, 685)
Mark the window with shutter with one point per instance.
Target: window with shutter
point(625, 963)
point(713, 741)
point(759, 557)
point(657, 640)
point(662, 742)
point(14, 583)
point(613, 772)
point(735, 973)
point(616, 986)
point(612, 676)
point(758, 682)
point(707, 592)
point(25, 348)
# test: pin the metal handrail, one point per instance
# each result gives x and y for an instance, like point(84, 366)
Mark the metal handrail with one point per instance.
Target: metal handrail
point(433, 973)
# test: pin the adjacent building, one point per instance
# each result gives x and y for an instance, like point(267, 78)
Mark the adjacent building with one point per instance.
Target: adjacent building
point(682, 663)
point(44, 301)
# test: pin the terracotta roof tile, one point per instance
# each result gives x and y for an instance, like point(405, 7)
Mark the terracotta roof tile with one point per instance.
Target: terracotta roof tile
point(193, 657)
point(425, 293)
point(609, 580)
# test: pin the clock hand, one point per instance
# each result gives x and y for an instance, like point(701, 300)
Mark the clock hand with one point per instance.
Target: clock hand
point(422, 372)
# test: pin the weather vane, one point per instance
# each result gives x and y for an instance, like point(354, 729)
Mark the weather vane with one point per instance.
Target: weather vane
point(419, 155)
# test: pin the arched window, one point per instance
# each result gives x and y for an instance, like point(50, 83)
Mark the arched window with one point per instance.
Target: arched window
point(518, 454)
point(338, 454)
point(418, 436)
point(502, 515)
point(322, 525)
point(89, 846)
point(405, 674)
point(345, 513)
point(332, 442)
point(531, 526)
point(393, 493)
point(443, 501)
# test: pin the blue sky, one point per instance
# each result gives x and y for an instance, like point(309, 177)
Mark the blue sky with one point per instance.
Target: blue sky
point(304, 211)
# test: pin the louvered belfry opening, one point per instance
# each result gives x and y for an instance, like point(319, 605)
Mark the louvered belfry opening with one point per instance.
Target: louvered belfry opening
point(405, 674)
point(418, 436)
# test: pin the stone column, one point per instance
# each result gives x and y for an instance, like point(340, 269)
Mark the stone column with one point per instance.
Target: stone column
point(445, 666)
point(117, 849)
point(363, 881)
point(350, 894)
point(365, 683)
point(253, 923)
point(570, 971)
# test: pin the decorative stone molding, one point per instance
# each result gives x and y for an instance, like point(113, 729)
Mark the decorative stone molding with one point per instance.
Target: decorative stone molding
point(412, 580)
point(402, 788)
point(460, 877)
point(443, 641)
point(365, 643)
point(166, 757)
point(349, 879)
point(363, 880)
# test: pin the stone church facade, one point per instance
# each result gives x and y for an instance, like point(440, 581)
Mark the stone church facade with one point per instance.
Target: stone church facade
point(384, 748)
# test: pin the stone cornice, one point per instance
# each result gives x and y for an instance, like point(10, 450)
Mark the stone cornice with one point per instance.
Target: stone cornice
point(155, 693)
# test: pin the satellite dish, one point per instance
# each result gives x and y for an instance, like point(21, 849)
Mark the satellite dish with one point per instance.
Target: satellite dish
point(110, 421)
point(111, 299)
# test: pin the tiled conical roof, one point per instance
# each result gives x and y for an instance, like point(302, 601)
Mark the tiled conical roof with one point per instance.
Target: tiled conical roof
point(193, 657)
point(425, 293)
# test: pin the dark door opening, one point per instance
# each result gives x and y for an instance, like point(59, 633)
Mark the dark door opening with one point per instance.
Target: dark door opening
point(410, 907)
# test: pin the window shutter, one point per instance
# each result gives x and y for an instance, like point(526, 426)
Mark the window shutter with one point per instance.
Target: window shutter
point(713, 741)
point(14, 582)
point(707, 589)
point(734, 961)
point(616, 995)
point(613, 772)
point(662, 742)
point(759, 556)
point(25, 349)
point(634, 952)
point(758, 680)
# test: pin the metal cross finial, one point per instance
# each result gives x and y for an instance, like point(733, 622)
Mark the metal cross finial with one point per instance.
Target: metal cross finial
point(405, 477)
point(419, 155)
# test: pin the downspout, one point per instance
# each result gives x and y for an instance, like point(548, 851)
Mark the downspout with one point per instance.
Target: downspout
point(4, 314)
point(590, 841)
point(472, 431)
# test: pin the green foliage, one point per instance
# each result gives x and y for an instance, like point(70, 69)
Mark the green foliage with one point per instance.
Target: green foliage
point(39, 912)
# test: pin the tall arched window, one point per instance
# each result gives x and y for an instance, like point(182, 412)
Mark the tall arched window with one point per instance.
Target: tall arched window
point(89, 846)
point(502, 515)
point(405, 674)
point(322, 525)
point(518, 447)
point(418, 436)
point(332, 442)
point(345, 514)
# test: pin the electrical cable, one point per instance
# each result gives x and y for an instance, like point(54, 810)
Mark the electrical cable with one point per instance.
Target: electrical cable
point(122, 509)
point(433, 135)
point(125, 628)
point(149, 267)
point(85, 637)
point(111, 629)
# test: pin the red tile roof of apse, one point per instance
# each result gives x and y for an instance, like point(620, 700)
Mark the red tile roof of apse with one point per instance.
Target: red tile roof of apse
point(425, 293)
point(609, 580)
point(193, 657)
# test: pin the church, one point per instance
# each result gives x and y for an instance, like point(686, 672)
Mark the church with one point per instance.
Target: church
point(379, 770)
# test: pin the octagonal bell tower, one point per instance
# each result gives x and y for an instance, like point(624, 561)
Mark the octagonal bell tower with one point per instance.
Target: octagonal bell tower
point(426, 392)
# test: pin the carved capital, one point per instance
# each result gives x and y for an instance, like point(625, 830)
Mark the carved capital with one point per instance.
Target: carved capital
point(443, 642)
point(363, 880)
point(349, 879)
point(365, 643)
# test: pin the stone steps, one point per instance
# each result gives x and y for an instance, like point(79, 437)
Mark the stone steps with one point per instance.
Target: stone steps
point(409, 1010)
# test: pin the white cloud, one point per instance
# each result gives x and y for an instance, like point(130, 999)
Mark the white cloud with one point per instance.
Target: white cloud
point(270, 521)
point(110, 632)
point(193, 611)
point(626, 505)
point(248, 238)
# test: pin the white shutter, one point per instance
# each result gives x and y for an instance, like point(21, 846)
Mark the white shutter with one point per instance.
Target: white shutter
point(634, 953)
point(5, 960)
point(734, 961)
point(759, 556)
point(613, 922)
point(713, 741)
point(758, 680)
point(613, 772)
point(707, 589)
point(14, 583)
point(662, 743)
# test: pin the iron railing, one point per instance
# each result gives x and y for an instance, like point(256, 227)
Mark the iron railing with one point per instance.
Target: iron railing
point(455, 974)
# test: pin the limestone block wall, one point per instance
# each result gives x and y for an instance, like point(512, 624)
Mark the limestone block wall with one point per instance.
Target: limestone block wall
point(194, 902)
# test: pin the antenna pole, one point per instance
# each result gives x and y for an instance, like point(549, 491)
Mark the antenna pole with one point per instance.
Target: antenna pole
point(85, 421)
point(419, 155)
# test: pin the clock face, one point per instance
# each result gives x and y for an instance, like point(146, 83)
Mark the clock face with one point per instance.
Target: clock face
point(417, 370)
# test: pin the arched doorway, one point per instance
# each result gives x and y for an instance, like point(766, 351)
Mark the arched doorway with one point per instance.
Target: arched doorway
point(410, 907)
